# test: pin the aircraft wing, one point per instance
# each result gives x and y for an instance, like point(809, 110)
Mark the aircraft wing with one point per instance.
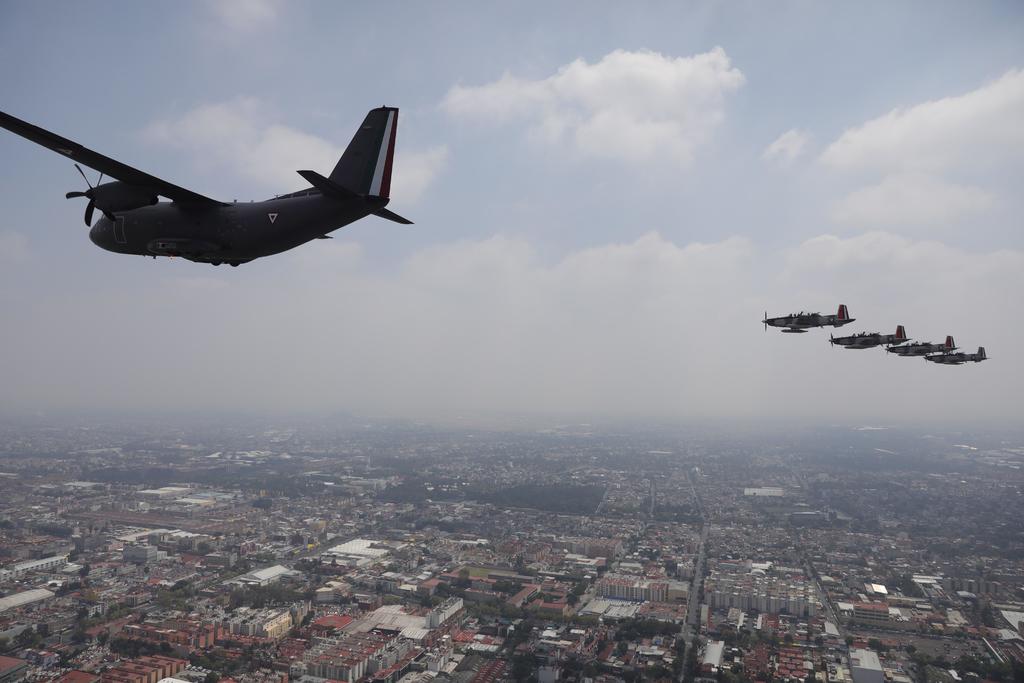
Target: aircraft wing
point(105, 165)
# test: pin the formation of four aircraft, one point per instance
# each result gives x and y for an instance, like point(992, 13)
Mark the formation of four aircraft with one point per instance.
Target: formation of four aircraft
point(898, 343)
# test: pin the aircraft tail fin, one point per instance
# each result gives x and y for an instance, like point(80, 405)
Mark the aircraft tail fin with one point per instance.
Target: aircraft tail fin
point(843, 314)
point(365, 167)
point(901, 334)
point(950, 344)
point(981, 354)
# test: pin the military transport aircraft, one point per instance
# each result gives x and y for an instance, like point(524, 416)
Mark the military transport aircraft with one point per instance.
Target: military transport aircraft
point(923, 348)
point(204, 230)
point(958, 358)
point(869, 340)
point(798, 323)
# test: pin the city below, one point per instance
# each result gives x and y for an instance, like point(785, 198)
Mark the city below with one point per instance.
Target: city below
point(266, 552)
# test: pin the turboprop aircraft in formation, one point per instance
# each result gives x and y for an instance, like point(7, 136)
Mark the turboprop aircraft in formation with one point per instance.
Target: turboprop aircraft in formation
point(798, 323)
point(923, 348)
point(943, 354)
point(958, 358)
point(204, 230)
point(869, 340)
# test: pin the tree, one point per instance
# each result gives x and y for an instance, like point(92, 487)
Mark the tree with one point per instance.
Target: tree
point(690, 671)
point(84, 571)
point(523, 667)
point(26, 638)
point(102, 637)
point(657, 671)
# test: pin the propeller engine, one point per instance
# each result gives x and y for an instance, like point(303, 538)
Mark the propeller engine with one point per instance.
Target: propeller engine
point(113, 197)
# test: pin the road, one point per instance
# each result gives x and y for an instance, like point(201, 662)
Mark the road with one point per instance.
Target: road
point(691, 629)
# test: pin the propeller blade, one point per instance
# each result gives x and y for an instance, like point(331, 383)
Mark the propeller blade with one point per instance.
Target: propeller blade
point(88, 212)
point(82, 173)
point(72, 195)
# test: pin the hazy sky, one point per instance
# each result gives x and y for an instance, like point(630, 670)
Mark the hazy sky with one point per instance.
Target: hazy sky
point(607, 198)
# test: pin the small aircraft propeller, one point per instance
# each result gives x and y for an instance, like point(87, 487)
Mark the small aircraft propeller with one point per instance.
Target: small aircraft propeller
point(765, 321)
point(88, 193)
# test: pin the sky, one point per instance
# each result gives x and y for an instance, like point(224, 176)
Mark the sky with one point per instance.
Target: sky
point(607, 199)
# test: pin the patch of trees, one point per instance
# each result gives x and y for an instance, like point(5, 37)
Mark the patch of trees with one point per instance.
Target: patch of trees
point(505, 586)
point(524, 667)
point(53, 529)
point(633, 629)
point(177, 596)
point(415, 491)
point(690, 668)
point(216, 661)
point(129, 647)
point(276, 483)
point(562, 498)
point(275, 594)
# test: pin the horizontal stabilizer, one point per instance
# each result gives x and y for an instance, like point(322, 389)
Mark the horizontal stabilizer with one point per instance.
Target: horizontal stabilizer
point(392, 216)
point(326, 185)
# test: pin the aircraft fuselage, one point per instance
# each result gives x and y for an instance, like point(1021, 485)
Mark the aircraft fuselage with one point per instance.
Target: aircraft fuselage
point(234, 233)
point(922, 349)
point(857, 343)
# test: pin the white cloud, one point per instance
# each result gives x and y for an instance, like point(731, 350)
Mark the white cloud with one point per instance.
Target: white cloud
point(247, 16)
point(415, 171)
point(975, 128)
point(926, 278)
point(787, 147)
point(920, 153)
point(911, 200)
point(241, 138)
point(13, 247)
point(635, 106)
